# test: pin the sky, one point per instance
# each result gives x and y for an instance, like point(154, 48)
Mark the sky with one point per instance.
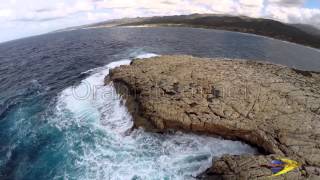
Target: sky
point(23, 18)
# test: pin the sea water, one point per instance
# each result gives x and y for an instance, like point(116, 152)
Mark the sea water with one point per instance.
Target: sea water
point(59, 121)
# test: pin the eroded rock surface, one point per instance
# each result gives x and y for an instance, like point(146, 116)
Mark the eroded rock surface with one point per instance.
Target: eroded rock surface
point(270, 106)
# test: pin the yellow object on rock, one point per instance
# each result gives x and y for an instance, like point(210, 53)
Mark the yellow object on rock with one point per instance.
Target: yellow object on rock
point(289, 165)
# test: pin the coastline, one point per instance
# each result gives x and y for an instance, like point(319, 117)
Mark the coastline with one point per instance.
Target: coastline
point(196, 113)
point(206, 28)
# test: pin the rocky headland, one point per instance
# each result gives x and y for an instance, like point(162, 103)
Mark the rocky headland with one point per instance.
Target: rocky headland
point(272, 107)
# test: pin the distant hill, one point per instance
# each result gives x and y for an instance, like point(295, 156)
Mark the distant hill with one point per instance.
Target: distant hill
point(308, 28)
point(297, 33)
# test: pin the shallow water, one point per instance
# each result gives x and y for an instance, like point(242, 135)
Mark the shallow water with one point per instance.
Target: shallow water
point(58, 121)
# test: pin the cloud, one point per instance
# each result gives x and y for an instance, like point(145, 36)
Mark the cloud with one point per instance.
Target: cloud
point(294, 15)
point(287, 3)
point(292, 11)
point(167, 2)
point(43, 10)
point(5, 13)
point(251, 8)
point(38, 19)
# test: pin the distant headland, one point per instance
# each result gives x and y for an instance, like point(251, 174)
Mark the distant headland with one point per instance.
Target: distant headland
point(297, 33)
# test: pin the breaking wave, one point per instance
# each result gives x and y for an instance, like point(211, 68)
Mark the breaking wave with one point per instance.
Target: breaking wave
point(96, 127)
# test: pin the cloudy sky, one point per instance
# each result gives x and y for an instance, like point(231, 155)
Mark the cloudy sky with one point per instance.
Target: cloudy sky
point(22, 18)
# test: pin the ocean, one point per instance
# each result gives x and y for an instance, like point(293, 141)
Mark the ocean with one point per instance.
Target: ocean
point(59, 121)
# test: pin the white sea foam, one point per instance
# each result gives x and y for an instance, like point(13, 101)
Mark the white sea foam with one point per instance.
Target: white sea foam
point(146, 55)
point(96, 125)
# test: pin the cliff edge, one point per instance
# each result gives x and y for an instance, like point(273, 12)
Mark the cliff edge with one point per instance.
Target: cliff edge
point(272, 107)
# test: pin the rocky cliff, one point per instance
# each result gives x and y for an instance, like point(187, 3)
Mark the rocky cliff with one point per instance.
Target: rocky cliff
point(269, 106)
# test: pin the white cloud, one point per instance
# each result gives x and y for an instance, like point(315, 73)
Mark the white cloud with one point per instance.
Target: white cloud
point(287, 2)
point(294, 15)
point(38, 16)
point(251, 8)
point(252, 2)
point(5, 13)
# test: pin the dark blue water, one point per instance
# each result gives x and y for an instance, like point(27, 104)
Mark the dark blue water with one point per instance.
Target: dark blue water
point(48, 133)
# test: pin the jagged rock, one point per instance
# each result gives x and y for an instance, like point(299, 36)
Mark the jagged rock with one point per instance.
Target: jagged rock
point(270, 106)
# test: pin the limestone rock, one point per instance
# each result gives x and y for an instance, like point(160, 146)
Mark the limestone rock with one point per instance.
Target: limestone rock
point(270, 106)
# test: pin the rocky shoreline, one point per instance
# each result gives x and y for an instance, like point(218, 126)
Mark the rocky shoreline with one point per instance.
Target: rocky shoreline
point(269, 106)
